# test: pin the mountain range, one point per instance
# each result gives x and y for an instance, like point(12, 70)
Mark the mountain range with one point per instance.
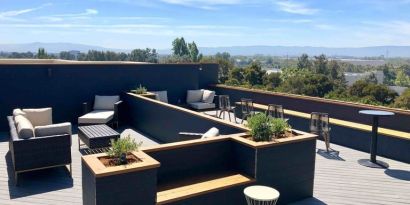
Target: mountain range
point(390, 51)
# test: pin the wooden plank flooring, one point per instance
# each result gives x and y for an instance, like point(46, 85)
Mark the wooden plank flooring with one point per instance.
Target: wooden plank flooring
point(338, 180)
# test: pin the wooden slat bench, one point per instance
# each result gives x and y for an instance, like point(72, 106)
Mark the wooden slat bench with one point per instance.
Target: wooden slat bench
point(343, 123)
point(179, 192)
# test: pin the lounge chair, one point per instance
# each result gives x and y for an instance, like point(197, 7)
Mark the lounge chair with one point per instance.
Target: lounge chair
point(201, 99)
point(105, 111)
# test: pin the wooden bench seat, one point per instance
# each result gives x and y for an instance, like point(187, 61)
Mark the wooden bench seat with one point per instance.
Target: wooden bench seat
point(343, 123)
point(172, 192)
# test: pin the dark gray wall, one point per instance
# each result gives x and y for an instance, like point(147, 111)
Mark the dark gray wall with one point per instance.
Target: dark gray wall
point(65, 86)
point(164, 123)
point(344, 112)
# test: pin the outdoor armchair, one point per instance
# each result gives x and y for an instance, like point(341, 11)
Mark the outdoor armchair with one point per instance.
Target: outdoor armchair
point(104, 111)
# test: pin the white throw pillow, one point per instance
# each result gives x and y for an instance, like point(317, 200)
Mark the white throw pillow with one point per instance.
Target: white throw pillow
point(54, 129)
point(208, 96)
point(25, 129)
point(213, 132)
point(194, 96)
point(161, 95)
point(40, 116)
point(105, 102)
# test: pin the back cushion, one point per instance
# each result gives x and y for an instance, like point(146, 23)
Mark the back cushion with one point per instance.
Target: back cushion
point(54, 129)
point(25, 129)
point(18, 111)
point(161, 96)
point(194, 96)
point(105, 102)
point(208, 96)
point(39, 117)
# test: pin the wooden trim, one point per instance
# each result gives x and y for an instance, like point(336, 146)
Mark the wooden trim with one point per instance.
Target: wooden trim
point(182, 144)
point(316, 99)
point(201, 188)
point(275, 142)
point(48, 167)
point(343, 123)
point(99, 170)
point(198, 114)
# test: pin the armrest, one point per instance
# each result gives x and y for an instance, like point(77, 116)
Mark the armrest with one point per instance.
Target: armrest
point(45, 143)
point(116, 109)
point(86, 108)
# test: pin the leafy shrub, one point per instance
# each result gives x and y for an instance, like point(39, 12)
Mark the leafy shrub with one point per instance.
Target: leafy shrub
point(140, 90)
point(261, 127)
point(122, 146)
point(279, 126)
point(403, 101)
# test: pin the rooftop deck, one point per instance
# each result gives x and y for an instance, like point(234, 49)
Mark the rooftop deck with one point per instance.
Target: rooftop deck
point(338, 180)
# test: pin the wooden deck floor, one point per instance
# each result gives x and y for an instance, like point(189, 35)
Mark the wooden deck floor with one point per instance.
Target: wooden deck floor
point(338, 180)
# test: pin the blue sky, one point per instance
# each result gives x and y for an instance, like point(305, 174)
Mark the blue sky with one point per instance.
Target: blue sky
point(131, 24)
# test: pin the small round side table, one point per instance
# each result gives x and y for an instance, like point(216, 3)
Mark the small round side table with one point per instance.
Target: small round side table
point(261, 195)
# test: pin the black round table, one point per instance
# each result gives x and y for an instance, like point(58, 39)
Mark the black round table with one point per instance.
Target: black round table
point(373, 163)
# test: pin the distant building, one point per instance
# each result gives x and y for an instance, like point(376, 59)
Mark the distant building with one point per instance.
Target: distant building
point(353, 77)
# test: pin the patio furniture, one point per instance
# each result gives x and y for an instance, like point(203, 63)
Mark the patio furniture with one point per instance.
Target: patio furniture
point(161, 95)
point(373, 163)
point(35, 143)
point(247, 108)
point(96, 136)
point(261, 195)
point(275, 111)
point(319, 124)
point(105, 111)
point(225, 106)
point(200, 99)
point(213, 132)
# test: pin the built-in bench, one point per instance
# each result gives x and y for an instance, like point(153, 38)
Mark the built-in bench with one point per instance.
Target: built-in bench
point(338, 122)
point(199, 167)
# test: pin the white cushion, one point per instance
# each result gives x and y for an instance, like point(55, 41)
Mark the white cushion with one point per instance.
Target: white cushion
point(18, 111)
point(208, 96)
point(105, 102)
point(194, 96)
point(25, 129)
point(213, 132)
point(161, 95)
point(96, 117)
point(54, 129)
point(201, 105)
point(40, 116)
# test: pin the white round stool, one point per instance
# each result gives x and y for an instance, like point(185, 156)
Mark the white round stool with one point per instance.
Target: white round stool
point(261, 195)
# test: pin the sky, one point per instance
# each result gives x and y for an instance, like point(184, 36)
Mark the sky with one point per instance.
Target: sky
point(129, 24)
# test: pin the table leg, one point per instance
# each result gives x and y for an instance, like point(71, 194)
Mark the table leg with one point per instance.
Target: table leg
point(373, 148)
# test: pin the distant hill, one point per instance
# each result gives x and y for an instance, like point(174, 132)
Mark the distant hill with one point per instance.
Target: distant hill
point(391, 51)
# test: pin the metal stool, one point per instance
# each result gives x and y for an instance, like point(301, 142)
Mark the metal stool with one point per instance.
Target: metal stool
point(275, 111)
point(261, 195)
point(225, 106)
point(319, 124)
point(246, 108)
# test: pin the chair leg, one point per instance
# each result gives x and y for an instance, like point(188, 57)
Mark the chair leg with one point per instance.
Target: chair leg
point(15, 178)
point(220, 113)
point(229, 115)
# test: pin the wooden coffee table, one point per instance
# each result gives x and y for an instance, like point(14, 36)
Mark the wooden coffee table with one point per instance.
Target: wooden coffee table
point(96, 136)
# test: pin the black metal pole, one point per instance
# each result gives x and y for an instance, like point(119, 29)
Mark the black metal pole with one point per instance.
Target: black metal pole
point(373, 148)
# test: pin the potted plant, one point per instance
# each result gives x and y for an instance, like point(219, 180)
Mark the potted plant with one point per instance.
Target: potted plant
point(264, 128)
point(120, 152)
point(142, 91)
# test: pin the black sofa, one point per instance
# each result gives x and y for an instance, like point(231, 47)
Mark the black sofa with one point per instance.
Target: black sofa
point(38, 152)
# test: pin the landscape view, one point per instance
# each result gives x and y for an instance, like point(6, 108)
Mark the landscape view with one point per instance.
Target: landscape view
point(205, 102)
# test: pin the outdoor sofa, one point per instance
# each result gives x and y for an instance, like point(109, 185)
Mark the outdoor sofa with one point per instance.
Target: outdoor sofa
point(36, 143)
point(201, 99)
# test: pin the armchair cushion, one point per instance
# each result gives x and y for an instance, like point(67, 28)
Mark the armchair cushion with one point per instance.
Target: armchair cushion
point(208, 96)
point(201, 105)
point(213, 132)
point(194, 96)
point(96, 117)
point(40, 116)
point(18, 111)
point(54, 129)
point(105, 102)
point(25, 129)
point(161, 95)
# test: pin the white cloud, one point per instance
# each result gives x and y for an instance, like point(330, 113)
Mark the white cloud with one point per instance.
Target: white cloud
point(87, 12)
point(203, 4)
point(294, 21)
point(325, 26)
point(10, 15)
point(295, 8)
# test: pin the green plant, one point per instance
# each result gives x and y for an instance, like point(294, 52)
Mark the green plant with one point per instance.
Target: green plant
point(279, 126)
point(140, 90)
point(261, 127)
point(121, 147)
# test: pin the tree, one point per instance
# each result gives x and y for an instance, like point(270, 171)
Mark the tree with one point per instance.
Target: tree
point(402, 79)
point(194, 52)
point(403, 101)
point(179, 47)
point(272, 80)
point(371, 78)
point(144, 55)
point(304, 62)
point(253, 74)
point(42, 54)
point(236, 73)
point(336, 75)
point(372, 92)
point(320, 65)
point(66, 55)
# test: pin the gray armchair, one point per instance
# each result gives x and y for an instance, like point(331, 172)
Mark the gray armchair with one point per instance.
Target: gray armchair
point(104, 111)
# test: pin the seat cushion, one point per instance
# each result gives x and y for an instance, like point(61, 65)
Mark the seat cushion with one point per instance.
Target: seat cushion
point(208, 96)
point(202, 105)
point(96, 117)
point(105, 102)
point(213, 132)
point(25, 129)
point(54, 129)
point(40, 116)
point(194, 96)
point(161, 95)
